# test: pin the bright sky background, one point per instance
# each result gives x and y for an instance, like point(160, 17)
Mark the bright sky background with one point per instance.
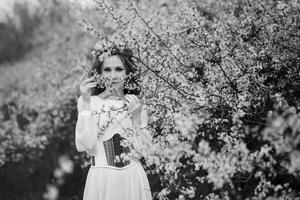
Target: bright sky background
point(6, 6)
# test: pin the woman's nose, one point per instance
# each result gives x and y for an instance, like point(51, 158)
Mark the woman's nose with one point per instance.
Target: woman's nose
point(111, 73)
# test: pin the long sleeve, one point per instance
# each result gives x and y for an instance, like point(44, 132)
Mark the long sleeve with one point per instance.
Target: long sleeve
point(85, 131)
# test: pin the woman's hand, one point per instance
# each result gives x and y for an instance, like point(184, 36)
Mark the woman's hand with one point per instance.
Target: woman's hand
point(133, 103)
point(85, 87)
point(135, 108)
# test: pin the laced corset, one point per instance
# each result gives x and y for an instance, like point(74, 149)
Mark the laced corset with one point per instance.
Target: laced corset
point(107, 115)
point(102, 130)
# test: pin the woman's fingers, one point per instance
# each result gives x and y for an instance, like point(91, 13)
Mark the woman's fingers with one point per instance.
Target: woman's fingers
point(133, 101)
point(91, 82)
point(89, 85)
point(129, 98)
point(82, 76)
point(88, 80)
point(126, 99)
point(82, 79)
point(84, 82)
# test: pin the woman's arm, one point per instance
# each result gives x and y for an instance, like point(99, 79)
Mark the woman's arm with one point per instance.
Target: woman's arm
point(140, 123)
point(85, 130)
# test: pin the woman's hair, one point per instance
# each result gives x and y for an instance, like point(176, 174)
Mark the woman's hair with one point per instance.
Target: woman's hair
point(130, 67)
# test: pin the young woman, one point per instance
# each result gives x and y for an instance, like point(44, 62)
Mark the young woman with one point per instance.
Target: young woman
point(104, 121)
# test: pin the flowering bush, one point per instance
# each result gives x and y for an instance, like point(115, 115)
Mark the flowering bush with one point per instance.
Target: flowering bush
point(38, 111)
point(221, 84)
point(214, 76)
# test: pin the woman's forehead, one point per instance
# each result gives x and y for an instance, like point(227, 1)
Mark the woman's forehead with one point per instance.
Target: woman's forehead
point(113, 61)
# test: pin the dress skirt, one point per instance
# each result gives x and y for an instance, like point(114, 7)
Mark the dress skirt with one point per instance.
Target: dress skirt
point(100, 134)
point(114, 183)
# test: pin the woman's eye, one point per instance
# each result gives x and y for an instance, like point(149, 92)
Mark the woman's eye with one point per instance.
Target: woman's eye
point(107, 70)
point(119, 69)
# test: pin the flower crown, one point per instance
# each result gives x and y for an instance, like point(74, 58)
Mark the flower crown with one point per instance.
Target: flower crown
point(101, 54)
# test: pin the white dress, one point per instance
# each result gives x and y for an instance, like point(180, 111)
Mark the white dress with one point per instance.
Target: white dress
point(104, 181)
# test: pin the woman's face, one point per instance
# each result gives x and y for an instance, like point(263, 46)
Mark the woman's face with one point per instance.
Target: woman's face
point(114, 72)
